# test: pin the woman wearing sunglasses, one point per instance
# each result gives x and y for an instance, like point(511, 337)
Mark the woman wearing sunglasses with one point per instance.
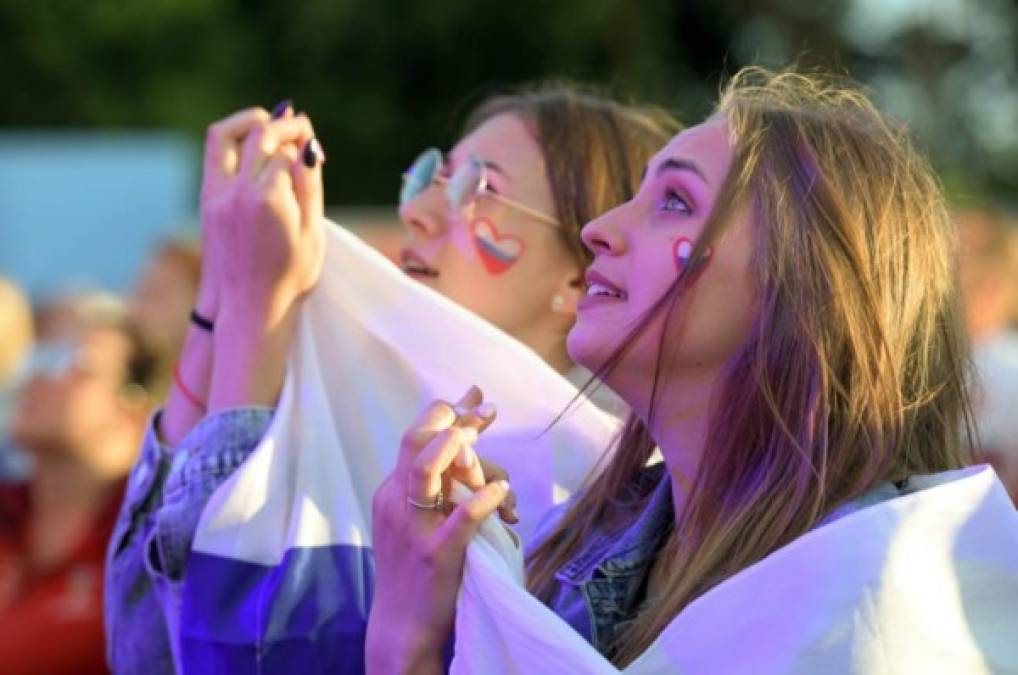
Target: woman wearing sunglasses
point(778, 306)
point(494, 226)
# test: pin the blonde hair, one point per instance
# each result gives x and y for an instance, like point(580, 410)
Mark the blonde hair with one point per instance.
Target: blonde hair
point(16, 330)
point(856, 366)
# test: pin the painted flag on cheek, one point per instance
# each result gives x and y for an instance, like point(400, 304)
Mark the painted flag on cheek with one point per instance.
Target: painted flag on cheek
point(280, 577)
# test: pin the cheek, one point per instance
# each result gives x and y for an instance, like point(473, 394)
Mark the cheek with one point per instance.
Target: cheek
point(496, 249)
point(720, 312)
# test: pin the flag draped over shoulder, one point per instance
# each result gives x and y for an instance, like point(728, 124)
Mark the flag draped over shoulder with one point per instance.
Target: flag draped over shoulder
point(923, 583)
point(280, 575)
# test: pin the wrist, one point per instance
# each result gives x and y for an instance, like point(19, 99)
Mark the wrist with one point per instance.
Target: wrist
point(250, 345)
point(258, 310)
point(394, 657)
point(207, 301)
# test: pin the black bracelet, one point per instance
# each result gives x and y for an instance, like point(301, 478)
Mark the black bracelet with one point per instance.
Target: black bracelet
point(200, 321)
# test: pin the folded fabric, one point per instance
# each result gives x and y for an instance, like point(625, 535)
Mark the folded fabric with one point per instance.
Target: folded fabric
point(923, 583)
point(280, 575)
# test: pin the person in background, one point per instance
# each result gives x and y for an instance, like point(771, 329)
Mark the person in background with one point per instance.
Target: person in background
point(162, 301)
point(80, 414)
point(989, 274)
point(16, 335)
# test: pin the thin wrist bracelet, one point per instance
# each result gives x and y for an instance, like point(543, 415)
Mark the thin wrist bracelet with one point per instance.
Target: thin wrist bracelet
point(202, 322)
point(191, 397)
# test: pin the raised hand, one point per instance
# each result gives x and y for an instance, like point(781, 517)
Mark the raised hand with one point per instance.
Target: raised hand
point(420, 539)
point(262, 205)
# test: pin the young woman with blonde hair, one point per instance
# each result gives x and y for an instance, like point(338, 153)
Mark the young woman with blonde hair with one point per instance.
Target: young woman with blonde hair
point(778, 305)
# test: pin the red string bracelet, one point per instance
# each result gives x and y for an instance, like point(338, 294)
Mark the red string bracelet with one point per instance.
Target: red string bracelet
point(188, 394)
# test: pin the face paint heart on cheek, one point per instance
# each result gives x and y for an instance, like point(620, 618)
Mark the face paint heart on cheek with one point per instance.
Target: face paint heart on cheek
point(498, 252)
point(682, 252)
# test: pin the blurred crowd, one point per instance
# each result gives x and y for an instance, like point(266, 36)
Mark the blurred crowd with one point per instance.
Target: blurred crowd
point(81, 373)
point(79, 376)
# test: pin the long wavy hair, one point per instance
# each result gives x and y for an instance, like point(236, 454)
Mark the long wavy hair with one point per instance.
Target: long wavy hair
point(594, 148)
point(854, 372)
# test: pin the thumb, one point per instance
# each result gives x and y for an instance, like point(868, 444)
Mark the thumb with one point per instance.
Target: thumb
point(467, 517)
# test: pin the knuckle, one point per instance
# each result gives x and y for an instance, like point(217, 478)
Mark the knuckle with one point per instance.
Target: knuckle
point(412, 440)
point(430, 554)
point(422, 471)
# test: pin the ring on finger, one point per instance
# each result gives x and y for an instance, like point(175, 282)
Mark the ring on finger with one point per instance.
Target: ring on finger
point(437, 504)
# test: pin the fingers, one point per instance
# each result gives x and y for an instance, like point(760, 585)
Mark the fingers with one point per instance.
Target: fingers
point(276, 174)
point(265, 139)
point(466, 467)
point(467, 517)
point(222, 141)
point(424, 481)
point(307, 178)
point(493, 472)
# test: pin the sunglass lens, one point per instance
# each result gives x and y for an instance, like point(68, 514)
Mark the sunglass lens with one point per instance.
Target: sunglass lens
point(464, 183)
point(420, 174)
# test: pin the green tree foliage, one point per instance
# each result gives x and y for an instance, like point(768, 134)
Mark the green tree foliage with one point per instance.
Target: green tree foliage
point(384, 78)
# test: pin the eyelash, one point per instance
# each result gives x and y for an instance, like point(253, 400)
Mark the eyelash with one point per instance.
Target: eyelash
point(670, 195)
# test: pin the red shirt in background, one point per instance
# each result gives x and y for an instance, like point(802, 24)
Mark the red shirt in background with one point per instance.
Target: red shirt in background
point(51, 621)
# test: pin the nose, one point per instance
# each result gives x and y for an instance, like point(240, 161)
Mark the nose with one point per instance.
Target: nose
point(604, 235)
point(425, 216)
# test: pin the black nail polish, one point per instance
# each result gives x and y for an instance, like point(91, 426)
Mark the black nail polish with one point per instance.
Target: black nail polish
point(313, 153)
point(281, 108)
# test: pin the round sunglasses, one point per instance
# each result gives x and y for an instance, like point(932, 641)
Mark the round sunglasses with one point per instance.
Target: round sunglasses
point(469, 181)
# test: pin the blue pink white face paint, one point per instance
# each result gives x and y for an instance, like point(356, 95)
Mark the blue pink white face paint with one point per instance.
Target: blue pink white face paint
point(498, 252)
point(682, 253)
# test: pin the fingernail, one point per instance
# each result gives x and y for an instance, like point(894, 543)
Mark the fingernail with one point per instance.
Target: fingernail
point(504, 486)
point(460, 411)
point(281, 108)
point(485, 410)
point(313, 153)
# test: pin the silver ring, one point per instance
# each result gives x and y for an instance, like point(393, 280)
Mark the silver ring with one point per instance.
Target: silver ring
point(437, 505)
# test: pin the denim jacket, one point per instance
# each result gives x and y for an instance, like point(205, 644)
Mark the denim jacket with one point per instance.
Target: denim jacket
point(166, 493)
point(602, 589)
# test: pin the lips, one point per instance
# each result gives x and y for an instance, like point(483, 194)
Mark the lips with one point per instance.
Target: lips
point(414, 265)
point(599, 286)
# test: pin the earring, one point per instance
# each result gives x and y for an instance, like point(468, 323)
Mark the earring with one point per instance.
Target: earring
point(558, 303)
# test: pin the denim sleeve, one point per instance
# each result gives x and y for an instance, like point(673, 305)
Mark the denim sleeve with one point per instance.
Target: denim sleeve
point(166, 493)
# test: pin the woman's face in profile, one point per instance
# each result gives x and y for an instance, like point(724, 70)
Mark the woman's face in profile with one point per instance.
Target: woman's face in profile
point(495, 260)
point(639, 249)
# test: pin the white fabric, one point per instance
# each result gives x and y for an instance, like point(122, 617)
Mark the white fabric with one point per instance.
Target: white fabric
point(924, 583)
point(372, 348)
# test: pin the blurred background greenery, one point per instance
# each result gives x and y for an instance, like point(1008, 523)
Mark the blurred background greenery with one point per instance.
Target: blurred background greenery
point(382, 79)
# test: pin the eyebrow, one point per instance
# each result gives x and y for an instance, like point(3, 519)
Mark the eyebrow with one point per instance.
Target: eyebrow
point(678, 164)
point(488, 164)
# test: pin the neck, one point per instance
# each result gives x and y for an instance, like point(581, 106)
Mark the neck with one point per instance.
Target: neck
point(679, 426)
point(550, 344)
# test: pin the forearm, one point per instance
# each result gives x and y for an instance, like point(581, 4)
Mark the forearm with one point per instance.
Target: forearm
point(251, 346)
point(181, 412)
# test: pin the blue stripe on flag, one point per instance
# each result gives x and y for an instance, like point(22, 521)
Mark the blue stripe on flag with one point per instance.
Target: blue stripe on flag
point(305, 615)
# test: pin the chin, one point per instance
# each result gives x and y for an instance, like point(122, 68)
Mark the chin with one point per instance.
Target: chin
point(587, 348)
